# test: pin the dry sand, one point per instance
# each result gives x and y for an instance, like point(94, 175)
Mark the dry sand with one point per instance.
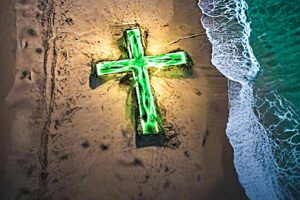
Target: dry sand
point(63, 140)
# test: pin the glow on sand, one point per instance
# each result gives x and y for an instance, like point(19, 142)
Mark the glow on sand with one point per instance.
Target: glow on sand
point(138, 64)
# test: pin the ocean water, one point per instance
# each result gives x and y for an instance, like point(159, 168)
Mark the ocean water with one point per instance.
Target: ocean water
point(255, 44)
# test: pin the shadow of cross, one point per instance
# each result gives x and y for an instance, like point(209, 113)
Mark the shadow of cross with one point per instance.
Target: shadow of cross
point(138, 64)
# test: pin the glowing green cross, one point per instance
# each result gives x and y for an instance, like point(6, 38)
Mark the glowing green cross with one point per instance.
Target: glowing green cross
point(138, 64)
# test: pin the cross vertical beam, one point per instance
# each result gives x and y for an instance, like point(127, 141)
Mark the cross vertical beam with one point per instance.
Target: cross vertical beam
point(148, 114)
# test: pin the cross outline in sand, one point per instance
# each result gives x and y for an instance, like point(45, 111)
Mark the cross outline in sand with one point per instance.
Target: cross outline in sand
point(139, 64)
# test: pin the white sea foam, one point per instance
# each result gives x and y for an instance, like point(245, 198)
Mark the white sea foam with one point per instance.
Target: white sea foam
point(228, 30)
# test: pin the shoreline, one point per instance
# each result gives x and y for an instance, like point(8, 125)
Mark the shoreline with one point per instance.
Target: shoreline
point(195, 108)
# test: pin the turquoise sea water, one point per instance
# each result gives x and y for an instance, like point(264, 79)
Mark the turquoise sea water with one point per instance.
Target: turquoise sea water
point(275, 39)
point(255, 44)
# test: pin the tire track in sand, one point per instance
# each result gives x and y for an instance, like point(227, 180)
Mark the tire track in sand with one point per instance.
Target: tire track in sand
point(49, 64)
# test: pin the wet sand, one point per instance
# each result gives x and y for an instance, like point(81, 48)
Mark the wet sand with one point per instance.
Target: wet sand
point(68, 141)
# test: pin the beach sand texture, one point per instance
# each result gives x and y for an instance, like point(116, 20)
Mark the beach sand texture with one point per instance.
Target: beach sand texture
point(64, 140)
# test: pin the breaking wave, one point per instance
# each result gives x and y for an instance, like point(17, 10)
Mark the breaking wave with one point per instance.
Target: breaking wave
point(228, 29)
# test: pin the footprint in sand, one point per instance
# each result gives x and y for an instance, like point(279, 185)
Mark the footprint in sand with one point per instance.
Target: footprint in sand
point(31, 32)
point(85, 144)
point(39, 50)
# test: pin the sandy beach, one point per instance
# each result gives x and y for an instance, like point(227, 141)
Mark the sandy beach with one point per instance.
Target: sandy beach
point(63, 140)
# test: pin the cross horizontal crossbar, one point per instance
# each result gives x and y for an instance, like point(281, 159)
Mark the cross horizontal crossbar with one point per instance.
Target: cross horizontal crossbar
point(171, 59)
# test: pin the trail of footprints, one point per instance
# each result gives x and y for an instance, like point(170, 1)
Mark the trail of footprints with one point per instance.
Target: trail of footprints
point(27, 81)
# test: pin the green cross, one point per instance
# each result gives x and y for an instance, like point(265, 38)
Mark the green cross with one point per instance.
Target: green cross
point(138, 64)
